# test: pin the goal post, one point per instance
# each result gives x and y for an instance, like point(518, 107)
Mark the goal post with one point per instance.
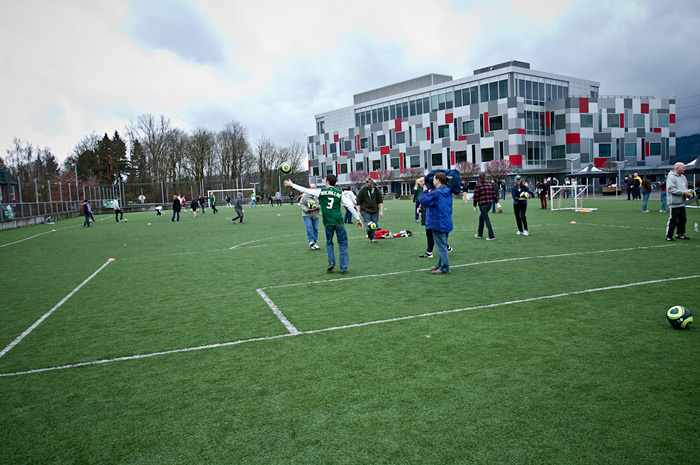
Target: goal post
point(221, 194)
point(567, 197)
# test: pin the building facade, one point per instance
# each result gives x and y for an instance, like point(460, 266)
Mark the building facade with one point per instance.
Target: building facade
point(543, 123)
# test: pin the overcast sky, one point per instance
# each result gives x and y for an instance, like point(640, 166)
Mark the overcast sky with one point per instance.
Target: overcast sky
point(73, 67)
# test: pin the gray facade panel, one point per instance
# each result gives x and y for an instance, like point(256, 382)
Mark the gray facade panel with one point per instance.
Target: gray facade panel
point(602, 137)
point(413, 150)
point(556, 164)
point(585, 158)
point(628, 104)
point(473, 139)
point(573, 148)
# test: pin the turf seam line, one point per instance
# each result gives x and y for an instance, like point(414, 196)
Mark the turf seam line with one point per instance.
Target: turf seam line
point(27, 238)
point(290, 327)
point(47, 314)
point(334, 328)
point(488, 262)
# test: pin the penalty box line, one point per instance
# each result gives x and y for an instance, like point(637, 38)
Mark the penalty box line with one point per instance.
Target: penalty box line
point(355, 325)
point(47, 314)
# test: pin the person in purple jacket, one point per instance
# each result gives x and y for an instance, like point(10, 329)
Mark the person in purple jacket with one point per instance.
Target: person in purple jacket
point(438, 205)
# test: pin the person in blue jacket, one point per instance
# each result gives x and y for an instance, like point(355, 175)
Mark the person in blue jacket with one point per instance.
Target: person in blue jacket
point(520, 193)
point(438, 205)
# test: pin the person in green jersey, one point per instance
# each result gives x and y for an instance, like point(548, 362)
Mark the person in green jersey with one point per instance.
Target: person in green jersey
point(330, 198)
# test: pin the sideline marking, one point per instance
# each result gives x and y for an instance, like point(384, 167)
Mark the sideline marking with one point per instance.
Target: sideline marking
point(487, 262)
point(47, 314)
point(258, 240)
point(290, 327)
point(27, 238)
point(355, 325)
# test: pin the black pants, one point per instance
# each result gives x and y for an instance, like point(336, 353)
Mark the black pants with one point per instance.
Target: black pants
point(520, 209)
point(117, 213)
point(239, 214)
point(676, 219)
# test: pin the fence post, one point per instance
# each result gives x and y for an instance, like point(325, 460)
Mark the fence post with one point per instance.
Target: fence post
point(50, 197)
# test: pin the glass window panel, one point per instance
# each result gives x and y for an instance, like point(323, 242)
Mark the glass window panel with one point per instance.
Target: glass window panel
point(357, 119)
point(401, 137)
point(495, 123)
point(363, 143)
point(392, 111)
point(663, 120)
point(493, 91)
point(541, 86)
point(375, 118)
point(444, 130)
point(465, 96)
point(631, 150)
point(655, 149)
point(441, 102)
point(613, 120)
point(412, 105)
point(503, 88)
point(347, 145)
point(548, 90)
point(535, 91)
point(528, 90)
point(343, 168)
point(415, 161)
point(475, 95)
point(437, 159)
point(448, 100)
point(604, 150)
point(639, 121)
point(381, 140)
point(376, 165)
point(404, 110)
point(426, 105)
point(558, 152)
point(458, 98)
point(386, 113)
point(586, 121)
point(468, 127)
point(521, 88)
point(566, 92)
point(395, 164)
point(434, 103)
point(484, 89)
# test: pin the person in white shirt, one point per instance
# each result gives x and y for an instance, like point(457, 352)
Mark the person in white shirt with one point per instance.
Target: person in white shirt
point(117, 209)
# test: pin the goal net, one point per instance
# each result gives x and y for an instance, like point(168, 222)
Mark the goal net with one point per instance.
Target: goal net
point(569, 197)
point(221, 194)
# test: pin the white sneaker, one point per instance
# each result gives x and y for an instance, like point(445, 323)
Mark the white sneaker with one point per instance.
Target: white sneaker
point(315, 247)
point(449, 249)
point(311, 245)
point(526, 233)
point(490, 238)
point(519, 233)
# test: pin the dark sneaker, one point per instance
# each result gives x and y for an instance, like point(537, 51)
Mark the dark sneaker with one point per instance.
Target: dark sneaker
point(682, 236)
point(670, 239)
point(343, 271)
point(330, 267)
point(426, 255)
point(439, 272)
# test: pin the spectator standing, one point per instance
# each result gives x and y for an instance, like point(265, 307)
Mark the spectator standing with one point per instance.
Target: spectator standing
point(370, 205)
point(238, 206)
point(117, 209)
point(646, 192)
point(503, 189)
point(438, 205)
point(202, 203)
point(637, 189)
point(662, 188)
point(351, 198)
point(429, 232)
point(330, 199)
point(484, 197)
point(677, 188)
point(212, 203)
point(253, 200)
point(542, 193)
point(194, 205)
point(86, 213)
point(228, 201)
point(177, 206)
point(310, 213)
point(521, 193)
point(417, 189)
point(278, 198)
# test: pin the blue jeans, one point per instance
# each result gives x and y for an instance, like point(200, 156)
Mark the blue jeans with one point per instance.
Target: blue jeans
point(87, 220)
point(484, 219)
point(645, 201)
point(366, 218)
point(311, 228)
point(176, 212)
point(663, 201)
point(440, 239)
point(342, 245)
point(348, 216)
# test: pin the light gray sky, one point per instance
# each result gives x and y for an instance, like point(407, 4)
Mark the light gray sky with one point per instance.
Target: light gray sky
point(73, 67)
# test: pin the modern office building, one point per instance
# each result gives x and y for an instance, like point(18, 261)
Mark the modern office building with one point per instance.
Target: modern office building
point(545, 124)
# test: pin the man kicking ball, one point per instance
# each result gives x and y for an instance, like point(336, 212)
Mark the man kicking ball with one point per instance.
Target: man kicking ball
point(330, 198)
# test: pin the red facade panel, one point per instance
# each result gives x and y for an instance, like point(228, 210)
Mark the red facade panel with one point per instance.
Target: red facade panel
point(516, 160)
point(397, 125)
point(583, 105)
point(657, 129)
point(452, 157)
point(449, 118)
point(335, 138)
point(384, 150)
point(522, 131)
point(486, 122)
point(600, 162)
point(672, 118)
point(427, 133)
point(573, 138)
point(462, 138)
point(645, 108)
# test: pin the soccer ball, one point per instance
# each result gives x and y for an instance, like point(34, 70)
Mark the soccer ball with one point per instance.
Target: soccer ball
point(372, 225)
point(285, 168)
point(679, 317)
point(312, 205)
point(523, 195)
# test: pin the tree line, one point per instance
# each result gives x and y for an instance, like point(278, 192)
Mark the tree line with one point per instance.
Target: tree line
point(153, 151)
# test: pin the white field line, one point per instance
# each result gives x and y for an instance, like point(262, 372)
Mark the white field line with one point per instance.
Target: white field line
point(290, 327)
point(487, 262)
point(258, 240)
point(27, 238)
point(47, 314)
point(356, 325)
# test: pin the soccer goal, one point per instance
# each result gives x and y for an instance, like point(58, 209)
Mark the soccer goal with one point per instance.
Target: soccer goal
point(568, 197)
point(221, 194)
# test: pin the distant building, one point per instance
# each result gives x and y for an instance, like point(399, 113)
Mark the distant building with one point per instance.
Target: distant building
point(545, 124)
point(9, 189)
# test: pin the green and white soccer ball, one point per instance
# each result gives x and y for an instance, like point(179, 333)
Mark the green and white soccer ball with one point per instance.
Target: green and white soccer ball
point(372, 225)
point(679, 317)
point(311, 205)
point(524, 195)
point(285, 168)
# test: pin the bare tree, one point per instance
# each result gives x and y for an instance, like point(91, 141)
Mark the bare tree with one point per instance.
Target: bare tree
point(267, 158)
point(200, 153)
point(358, 178)
point(152, 134)
point(410, 175)
point(467, 170)
point(385, 176)
point(175, 156)
point(233, 151)
point(498, 169)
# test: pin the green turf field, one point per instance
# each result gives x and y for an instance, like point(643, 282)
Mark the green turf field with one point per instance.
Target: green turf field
point(205, 342)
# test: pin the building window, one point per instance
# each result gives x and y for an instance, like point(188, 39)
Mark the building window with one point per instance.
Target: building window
point(586, 121)
point(332, 148)
point(460, 156)
point(381, 140)
point(535, 153)
point(493, 91)
point(434, 103)
point(558, 152)
point(486, 155)
point(441, 101)
point(314, 170)
point(604, 150)
point(319, 149)
point(448, 100)
point(662, 120)
point(655, 149)
point(437, 159)
point(343, 168)
point(376, 165)
point(359, 165)
point(412, 106)
point(495, 123)
point(363, 143)
point(559, 122)
point(631, 150)
point(415, 161)
point(444, 130)
point(474, 95)
point(503, 88)
point(639, 121)
point(484, 93)
point(458, 98)
point(613, 120)
point(347, 144)
point(419, 106)
point(395, 163)
point(400, 137)
point(468, 127)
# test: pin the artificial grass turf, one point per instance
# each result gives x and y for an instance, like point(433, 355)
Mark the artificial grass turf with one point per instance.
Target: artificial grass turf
point(577, 379)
